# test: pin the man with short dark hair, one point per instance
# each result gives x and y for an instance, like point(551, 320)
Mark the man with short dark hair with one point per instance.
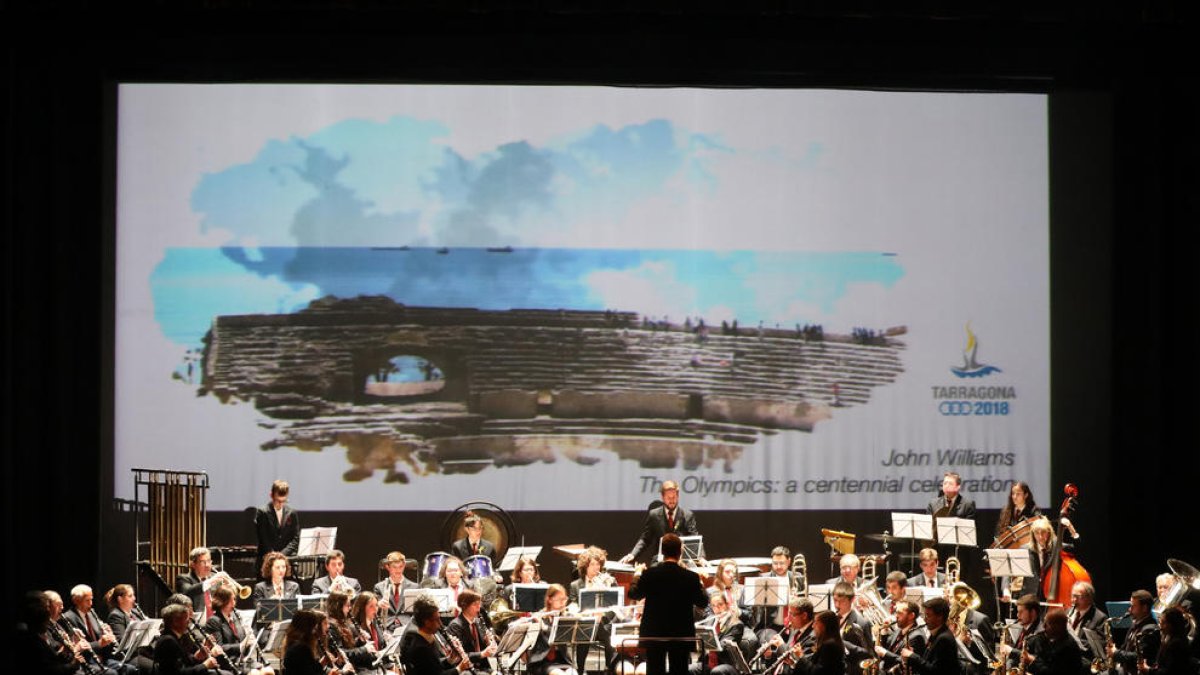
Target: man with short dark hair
point(929, 576)
point(905, 634)
point(667, 630)
point(473, 544)
point(941, 651)
point(1056, 652)
point(193, 584)
point(896, 585)
point(669, 518)
point(277, 524)
point(335, 565)
point(1142, 640)
point(1029, 617)
point(796, 637)
point(418, 651)
point(950, 502)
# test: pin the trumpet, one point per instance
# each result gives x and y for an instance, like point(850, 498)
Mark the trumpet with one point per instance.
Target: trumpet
point(602, 580)
point(223, 577)
point(339, 583)
point(799, 575)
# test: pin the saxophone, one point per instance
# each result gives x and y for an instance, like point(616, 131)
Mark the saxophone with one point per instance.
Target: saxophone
point(1103, 663)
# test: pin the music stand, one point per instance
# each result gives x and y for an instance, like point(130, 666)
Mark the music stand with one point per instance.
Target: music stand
point(515, 553)
point(600, 598)
point(912, 526)
point(765, 592)
point(956, 532)
point(1008, 563)
point(442, 597)
point(392, 650)
point(1120, 610)
point(275, 637)
point(529, 597)
point(138, 634)
point(820, 595)
point(517, 640)
point(316, 601)
point(573, 630)
point(317, 540)
point(693, 549)
point(270, 610)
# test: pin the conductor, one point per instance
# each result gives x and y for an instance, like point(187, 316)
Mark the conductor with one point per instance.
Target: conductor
point(669, 518)
point(670, 592)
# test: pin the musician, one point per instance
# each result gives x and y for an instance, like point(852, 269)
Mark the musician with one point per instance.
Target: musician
point(277, 524)
point(729, 630)
point(1040, 546)
point(1020, 506)
point(545, 658)
point(391, 590)
point(275, 569)
point(1084, 612)
point(929, 577)
point(123, 609)
point(796, 637)
point(82, 617)
point(192, 584)
point(830, 657)
point(35, 649)
point(670, 592)
point(905, 634)
point(854, 627)
point(1143, 639)
point(726, 583)
point(344, 638)
point(452, 576)
point(769, 620)
point(170, 655)
point(525, 572)
point(669, 518)
point(471, 632)
point(848, 569)
point(896, 585)
point(1174, 657)
point(590, 570)
point(950, 502)
point(304, 644)
point(1163, 584)
point(418, 649)
point(473, 543)
point(1029, 618)
point(941, 649)
point(1055, 652)
point(364, 612)
point(335, 564)
point(224, 625)
point(66, 637)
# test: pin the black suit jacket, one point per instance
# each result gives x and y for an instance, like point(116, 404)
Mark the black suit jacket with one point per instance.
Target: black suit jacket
point(298, 660)
point(218, 627)
point(829, 660)
point(421, 657)
point(171, 658)
point(940, 656)
point(1093, 619)
point(275, 537)
point(656, 526)
point(190, 585)
point(671, 593)
point(1142, 641)
point(72, 617)
point(962, 508)
point(264, 590)
point(1057, 657)
point(894, 641)
point(461, 549)
point(460, 629)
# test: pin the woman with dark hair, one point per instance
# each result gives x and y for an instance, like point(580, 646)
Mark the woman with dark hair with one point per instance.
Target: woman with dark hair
point(544, 658)
point(364, 611)
point(1020, 506)
point(124, 611)
point(304, 644)
point(525, 572)
point(275, 569)
point(1174, 656)
point(343, 635)
point(830, 655)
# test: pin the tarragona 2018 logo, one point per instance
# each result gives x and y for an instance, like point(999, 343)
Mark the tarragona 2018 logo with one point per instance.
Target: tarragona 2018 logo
point(971, 366)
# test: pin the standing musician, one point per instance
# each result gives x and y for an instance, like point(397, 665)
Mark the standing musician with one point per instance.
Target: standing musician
point(1056, 652)
point(729, 629)
point(525, 572)
point(419, 650)
point(545, 658)
point(669, 518)
point(335, 565)
point(275, 569)
point(473, 543)
point(1040, 546)
point(193, 583)
point(123, 609)
point(304, 644)
point(950, 502)
point(277, 524)
point(848, 568)
point(1020, 506)
point(345, 641)
point(929, 577)
point(391, 590)
point(796, 638)
point(830, 656)
point(171, 657)
point(906, 633)
point(1142, 641)
point(1174, 656)
point(471, 632)
point(941, 650)
point(670, 592)
point(1084, 612)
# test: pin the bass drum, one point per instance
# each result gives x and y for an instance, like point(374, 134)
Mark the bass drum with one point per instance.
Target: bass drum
point(1016, 535)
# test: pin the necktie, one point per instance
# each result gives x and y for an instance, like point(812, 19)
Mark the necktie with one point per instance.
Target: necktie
point(87, 621)
point(375, 636)
point(396, 597)
point(475, 548)
point(475, 636)
point(233, 627)
point(670, 521)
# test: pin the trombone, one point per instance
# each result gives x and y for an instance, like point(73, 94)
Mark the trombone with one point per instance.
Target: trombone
point(799, 576)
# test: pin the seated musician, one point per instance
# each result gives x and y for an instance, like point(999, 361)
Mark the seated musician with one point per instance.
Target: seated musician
point(72, 647)
point(855, 629)
point(1163, 584)
point(82, 619)
point(419, 651)
point(545, 658)
point(525, 572)
point(304, 644)
point(335, 565)
point(275, 569)
point(906, 633)
point(344, 639)
point(591, 574)
point(1019, 507)
point(471, 632)
point(192, 584)
point(123, 609)
point(796, 638)
point(171, 656)
point(1174, 656)
point(1084, 613)
point(929, 577)
point(452, 576)
point(34, 647)
point(848, 567)
point(226, 627)
point(830, 655)
point(896, 585)
point(473, 543)
point(1143, 639)
point(1029, 618)
point(768, 621)
point(1056, 652)
point(726, 583)
point(391, 590)
point(729, 629)
point(364, 612)
point(941, 649)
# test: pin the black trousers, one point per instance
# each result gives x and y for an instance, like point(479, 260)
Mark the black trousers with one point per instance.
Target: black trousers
point(664, 657)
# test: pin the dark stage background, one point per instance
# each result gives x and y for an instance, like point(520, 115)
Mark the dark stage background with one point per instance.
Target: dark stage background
point(1124, 135)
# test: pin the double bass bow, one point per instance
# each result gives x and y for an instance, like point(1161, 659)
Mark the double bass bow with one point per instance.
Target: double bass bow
point(1063, 570)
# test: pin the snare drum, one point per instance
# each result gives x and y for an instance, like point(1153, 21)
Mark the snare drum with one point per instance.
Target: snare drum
point(433, 564)
point(478, 567)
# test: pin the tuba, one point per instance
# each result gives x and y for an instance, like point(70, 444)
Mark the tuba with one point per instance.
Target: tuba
point(962, 599)
point(799, 576)
point(867, 599)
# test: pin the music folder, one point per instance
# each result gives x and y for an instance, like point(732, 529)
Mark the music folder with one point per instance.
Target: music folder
point(596, 598)
point(529, 597)
point(515, 553)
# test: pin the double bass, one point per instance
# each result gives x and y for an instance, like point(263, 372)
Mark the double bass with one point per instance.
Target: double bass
point(1063, 570)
